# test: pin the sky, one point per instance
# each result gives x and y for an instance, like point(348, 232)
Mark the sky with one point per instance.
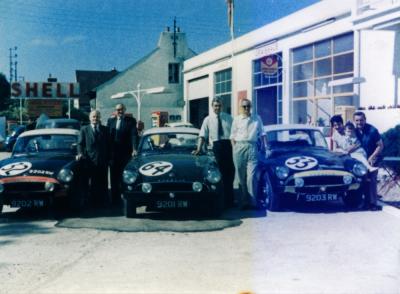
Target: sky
point(58, 37)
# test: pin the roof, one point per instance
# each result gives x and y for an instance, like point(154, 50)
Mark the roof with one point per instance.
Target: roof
point(271, 128)
point(90, 79)
point(50, 132)
point(166, 130)
point(62, 120)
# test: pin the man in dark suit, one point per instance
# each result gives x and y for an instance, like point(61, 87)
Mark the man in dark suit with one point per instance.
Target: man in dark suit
point(94, 150)
point(124, 138)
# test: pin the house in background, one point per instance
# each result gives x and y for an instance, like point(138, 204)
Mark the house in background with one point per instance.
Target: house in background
point(161, 69)
point(88, 80)
point(332, 57)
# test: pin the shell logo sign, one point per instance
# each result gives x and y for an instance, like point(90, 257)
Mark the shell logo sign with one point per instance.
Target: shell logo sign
point(44, 90)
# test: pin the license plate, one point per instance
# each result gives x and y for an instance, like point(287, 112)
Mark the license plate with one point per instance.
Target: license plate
point(172, 204)
point(320, 197)
point(27, 203)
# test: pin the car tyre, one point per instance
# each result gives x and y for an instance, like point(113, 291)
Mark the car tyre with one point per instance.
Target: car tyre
point(272, 199)
point(353, 199)
point(130, 208)
point(217, 204)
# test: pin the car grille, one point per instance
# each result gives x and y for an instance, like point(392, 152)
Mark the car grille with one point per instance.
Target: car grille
point(24, 187)
point(320, 181)
point(171, 187)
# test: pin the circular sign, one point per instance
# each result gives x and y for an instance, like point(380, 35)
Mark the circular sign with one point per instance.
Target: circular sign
point(301, 162)
point(16, 168)
point(155, 168)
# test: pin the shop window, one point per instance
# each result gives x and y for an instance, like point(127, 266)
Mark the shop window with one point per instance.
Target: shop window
point(173, 73)
point(223, 88)
point(314, 66)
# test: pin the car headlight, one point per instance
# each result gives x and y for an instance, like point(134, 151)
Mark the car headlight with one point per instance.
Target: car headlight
point(146, 188)
point(1, 188)
point(129, 177)
point(213, 176)
point(359, 169)
point(65, 175)
point(48, 186)
point(347, 179)
point(282, 172)
point(197, 186)
point(298, 182)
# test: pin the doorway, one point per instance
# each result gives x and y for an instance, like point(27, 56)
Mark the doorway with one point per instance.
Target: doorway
point(267, 104)
point(198, 110)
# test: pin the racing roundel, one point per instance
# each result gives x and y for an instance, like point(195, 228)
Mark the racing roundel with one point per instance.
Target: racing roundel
point(301, 162)
point(155, 168)
point(15, 168)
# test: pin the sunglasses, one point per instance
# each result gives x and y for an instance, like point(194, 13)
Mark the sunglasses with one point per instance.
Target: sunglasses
point(246, 106)
point(119, 109)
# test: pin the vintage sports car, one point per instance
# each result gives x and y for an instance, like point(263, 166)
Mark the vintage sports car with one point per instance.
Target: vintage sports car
point(165, 175)
point(298, 166)
point(42, 171)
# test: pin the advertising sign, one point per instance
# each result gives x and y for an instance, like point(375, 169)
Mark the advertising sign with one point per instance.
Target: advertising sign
point(52, 108)
point(44, 90)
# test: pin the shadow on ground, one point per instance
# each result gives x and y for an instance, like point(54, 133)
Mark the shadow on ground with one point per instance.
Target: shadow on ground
point(172, 221)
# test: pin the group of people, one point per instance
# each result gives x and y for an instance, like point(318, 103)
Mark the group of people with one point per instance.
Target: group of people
point(234, 143)
point(102, 147)
point(363, 142)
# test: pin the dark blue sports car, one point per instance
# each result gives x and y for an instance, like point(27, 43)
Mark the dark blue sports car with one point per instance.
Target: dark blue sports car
point(298, 166)
point(42, 171)
point(165, 175)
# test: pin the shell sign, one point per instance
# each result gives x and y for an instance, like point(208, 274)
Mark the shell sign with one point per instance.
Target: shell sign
point(44, 90)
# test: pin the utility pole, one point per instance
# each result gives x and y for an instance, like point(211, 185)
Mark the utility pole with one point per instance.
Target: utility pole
point(174, 43)
point(13, 62)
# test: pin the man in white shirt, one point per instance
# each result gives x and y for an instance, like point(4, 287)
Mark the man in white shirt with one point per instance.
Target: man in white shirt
point(216, 129)
point(246, 131)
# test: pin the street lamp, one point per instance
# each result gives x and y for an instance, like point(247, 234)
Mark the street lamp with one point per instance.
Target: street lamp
point(138, 94)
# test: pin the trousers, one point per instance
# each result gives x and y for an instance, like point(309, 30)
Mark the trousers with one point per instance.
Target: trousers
point(245, 160)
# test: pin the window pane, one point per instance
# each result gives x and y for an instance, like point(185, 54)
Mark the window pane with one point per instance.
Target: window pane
point(257, 66)
point(323, 67)
point(343, 43)
point(343, 63)
point(323, 48)
point(302, 89)
point(323, 112)
point(302, 71)
point(322, 88)
point(302, 54)
point(257, 80)
point(228, 74)
point(301, 111)
point(344, 100)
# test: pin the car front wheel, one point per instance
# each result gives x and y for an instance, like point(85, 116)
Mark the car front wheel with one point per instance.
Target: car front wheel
point(130, 208)
point(272, 199)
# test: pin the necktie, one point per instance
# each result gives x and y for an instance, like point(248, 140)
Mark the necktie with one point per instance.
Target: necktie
point(220, 129)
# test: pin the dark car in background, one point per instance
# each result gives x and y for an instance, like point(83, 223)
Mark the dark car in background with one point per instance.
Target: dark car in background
point(42, 171)
point(62, 123)
point(165, 175)
point(298, 166)
point(12, 138)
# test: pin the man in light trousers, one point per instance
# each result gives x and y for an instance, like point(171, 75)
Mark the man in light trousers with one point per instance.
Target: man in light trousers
point(246, 131)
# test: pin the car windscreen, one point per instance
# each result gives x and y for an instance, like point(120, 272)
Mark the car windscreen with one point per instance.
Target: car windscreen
point(46, 143)
point(295, 138)
point(169, 142)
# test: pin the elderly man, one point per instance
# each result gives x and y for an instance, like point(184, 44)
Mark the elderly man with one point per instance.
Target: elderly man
point(216, 129)
point(372, 143)
point(124, 137)
point(246, 131)
point(94, 150)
